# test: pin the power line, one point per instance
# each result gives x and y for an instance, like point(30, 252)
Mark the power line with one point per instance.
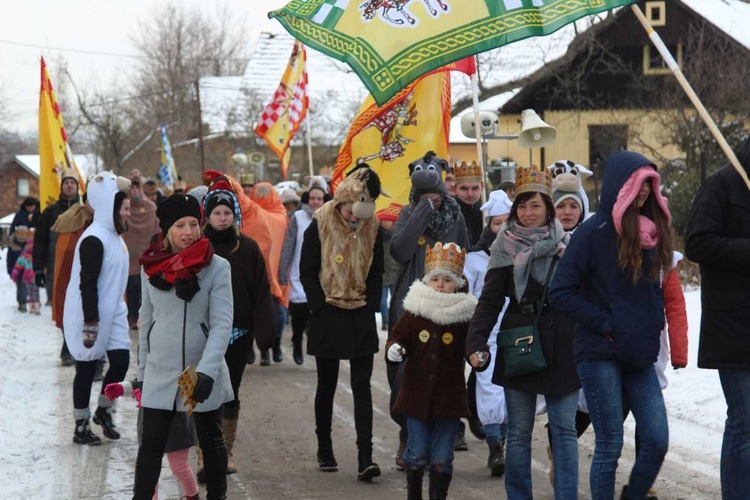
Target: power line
point(113, 54)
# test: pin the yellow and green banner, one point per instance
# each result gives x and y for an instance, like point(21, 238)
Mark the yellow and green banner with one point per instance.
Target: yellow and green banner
point(390, 43)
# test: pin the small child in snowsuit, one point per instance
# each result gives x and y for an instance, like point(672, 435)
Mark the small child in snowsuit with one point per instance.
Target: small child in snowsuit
point(23, 271)
point(431, 335)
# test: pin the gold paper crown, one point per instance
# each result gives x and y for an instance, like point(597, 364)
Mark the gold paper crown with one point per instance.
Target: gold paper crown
point(467, 172)
point(24, 232)
point(533, 180)
point(247, 179)
point(449, 257)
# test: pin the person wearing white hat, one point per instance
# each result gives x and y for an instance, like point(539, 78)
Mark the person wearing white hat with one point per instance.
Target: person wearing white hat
point(490, 397)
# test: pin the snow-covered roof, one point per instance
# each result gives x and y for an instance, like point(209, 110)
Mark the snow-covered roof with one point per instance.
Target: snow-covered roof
point(90, 164)
point(730, 16)
point(8, 219)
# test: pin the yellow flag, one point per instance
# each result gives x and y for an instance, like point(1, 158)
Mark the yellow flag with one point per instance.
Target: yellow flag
point(389, 137)
point(54, 151)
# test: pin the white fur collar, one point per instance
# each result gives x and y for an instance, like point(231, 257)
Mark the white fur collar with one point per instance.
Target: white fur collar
point(440, 308)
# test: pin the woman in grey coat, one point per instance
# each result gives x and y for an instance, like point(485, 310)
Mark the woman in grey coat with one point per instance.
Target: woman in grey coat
point(186, 319)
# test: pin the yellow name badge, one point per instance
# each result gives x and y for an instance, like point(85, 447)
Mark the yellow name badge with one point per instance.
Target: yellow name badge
point(424, 336)
point(339, 259)
point(447, 338)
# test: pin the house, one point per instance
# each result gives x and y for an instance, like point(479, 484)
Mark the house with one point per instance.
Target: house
point(597, 94)
point(19, 178)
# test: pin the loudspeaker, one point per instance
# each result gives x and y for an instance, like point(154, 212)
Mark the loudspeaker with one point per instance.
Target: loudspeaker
point(487, 123)
point(535, 133)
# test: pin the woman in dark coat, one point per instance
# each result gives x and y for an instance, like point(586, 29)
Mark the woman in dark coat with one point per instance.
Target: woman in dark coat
point(341, 270)
point(253, 305)
point(609, 282)
point(521, 262)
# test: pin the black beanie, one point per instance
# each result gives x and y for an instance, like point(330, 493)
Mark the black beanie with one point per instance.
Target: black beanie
point(216, 198)
point(176, 207)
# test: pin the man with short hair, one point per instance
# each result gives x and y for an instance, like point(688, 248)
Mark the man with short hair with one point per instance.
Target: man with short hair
point(718, 238)
point(45, 241)
point(469, 187)
point(142, 226)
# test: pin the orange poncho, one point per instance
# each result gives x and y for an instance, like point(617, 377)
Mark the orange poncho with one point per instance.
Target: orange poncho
point(264, 219)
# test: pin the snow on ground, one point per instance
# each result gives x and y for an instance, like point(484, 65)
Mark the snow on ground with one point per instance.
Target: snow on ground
point(39, 460)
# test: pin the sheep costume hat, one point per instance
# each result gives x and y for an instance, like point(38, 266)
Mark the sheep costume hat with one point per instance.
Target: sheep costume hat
point(567, 182)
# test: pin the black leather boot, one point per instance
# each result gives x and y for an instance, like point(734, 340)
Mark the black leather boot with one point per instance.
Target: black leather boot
point(367, 468)
point(278, 356)
point(414, 484)
point(265, 360)
point(496, 459)
point(83, 435)
point(326, 459)
point(459, 443)
point(251, 351)
point(104, 418)
point(297, 348)
point(439, 483)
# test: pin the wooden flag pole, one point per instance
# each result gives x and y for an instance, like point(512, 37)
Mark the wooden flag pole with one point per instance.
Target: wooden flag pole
point(677, 72)
point(477, 128)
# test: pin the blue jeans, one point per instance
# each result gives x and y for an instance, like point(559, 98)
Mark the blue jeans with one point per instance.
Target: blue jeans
point(606, 384)
point(496, 432)
point(384, 304)
point(280, 314)
point(521, 416)
point(735, 449)
point(431, 443)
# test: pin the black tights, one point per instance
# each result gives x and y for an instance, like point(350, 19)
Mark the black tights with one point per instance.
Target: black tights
point(156, 425)
point(328, 376)
point(300, 313)
point(119, 359)
point(236, 358)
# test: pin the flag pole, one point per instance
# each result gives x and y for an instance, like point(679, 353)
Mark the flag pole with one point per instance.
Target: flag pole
point(677, 72)
point(308, 136)
point(477, 126)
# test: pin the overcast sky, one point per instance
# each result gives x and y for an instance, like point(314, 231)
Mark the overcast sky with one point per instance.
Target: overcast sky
point(33, 28)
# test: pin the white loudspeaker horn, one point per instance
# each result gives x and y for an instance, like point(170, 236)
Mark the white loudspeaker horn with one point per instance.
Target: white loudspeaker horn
point(535, 133)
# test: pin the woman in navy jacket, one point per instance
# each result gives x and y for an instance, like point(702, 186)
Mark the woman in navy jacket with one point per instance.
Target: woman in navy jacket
point(608, 282)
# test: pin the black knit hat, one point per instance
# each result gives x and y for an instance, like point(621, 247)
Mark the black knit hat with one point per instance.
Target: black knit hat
point(176, 207)
point(216, 198)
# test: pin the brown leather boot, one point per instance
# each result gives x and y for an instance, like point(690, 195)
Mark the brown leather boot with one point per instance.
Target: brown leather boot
point(229, 427)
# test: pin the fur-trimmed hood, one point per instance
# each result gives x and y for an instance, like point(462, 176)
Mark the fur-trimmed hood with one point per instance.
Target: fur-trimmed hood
point(440, 308)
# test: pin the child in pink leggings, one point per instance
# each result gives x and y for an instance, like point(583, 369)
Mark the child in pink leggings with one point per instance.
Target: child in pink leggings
point(182, 437)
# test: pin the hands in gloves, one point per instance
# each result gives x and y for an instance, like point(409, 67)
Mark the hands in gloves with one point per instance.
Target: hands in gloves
point(90, 332)
point(396, 353)
point(203, 388)
point(39, 279)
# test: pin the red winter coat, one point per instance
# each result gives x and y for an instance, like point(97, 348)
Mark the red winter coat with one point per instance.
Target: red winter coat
point(433, 331)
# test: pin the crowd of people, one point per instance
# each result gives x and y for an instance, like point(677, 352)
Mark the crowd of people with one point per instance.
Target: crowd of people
point(554, 308)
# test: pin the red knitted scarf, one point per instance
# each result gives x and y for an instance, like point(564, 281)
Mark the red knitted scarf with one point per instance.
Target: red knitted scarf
point(171, 266)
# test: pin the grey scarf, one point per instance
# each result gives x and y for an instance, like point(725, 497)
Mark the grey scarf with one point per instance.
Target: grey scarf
point(443, 219)
point(528, 250)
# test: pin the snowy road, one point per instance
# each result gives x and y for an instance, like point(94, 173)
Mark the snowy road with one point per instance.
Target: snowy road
point(276, 444)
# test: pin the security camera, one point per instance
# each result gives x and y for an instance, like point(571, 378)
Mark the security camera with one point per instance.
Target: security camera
point(488, 122)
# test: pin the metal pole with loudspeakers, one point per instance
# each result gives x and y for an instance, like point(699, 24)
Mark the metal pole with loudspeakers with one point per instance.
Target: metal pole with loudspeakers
point(535, 132)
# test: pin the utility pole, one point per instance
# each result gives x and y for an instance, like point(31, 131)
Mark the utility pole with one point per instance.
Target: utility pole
point(200, 124)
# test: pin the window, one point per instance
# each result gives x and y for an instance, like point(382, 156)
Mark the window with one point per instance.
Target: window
point(22, 188)
point(656, 13)
point(654, 64)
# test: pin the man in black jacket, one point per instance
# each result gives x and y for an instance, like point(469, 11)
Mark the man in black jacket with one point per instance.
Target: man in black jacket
point(45, 240)
point(718, 238)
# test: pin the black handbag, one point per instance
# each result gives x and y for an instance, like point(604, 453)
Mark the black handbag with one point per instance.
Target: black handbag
point(521, 347)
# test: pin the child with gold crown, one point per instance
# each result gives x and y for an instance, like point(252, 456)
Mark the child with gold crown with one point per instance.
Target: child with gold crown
point(431, 335)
